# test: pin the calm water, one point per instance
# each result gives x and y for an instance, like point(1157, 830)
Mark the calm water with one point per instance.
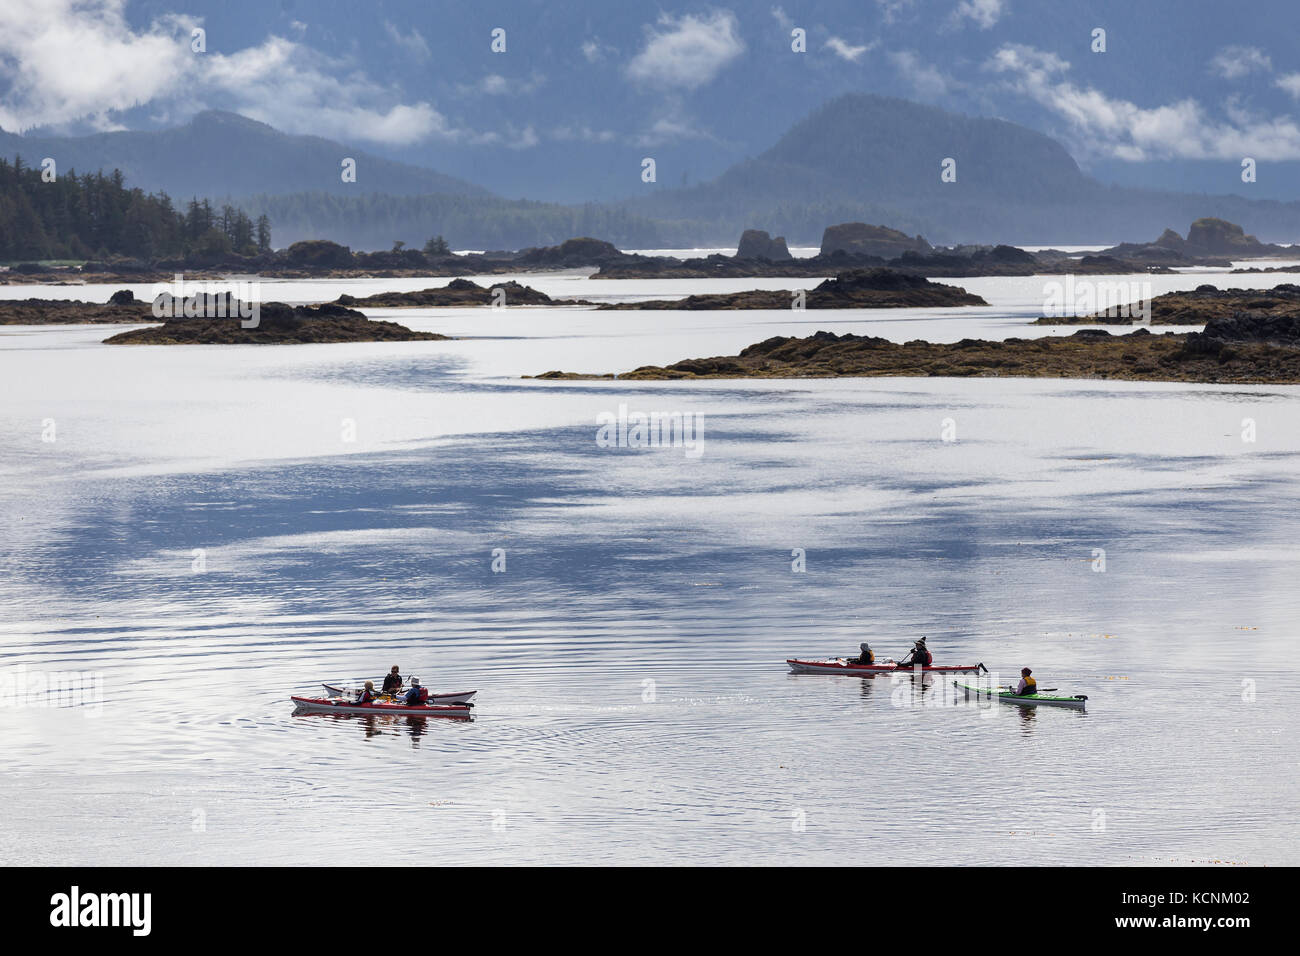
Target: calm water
point(634, 705)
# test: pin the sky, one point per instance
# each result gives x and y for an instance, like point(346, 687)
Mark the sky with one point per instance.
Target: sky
point(1181, 93)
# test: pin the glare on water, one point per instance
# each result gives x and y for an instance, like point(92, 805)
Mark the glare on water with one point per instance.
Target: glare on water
point(213, 529)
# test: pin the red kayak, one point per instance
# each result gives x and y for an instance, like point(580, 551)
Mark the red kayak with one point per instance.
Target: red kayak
point(328, 705)
point(838, 665)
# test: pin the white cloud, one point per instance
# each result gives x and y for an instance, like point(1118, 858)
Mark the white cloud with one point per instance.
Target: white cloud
point(525, 139)
point(280, 81)
point(891, 9)
point(983, 13)
point(670, 127)
point(412, 42)
point(1289, 82)
point(845, 51)
point(926, 80)
point(584, 134)
point(1118, 128)
point(1234, 62)
point(115, 68)
point(597, 52)
point(782, 18)
point(494, 84)
point(687, 52)
point(283, 83)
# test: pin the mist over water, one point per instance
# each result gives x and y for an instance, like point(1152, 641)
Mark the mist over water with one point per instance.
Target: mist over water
point(634, 705)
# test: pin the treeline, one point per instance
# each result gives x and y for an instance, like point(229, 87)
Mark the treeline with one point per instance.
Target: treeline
point(95, 216)
point(378, 220)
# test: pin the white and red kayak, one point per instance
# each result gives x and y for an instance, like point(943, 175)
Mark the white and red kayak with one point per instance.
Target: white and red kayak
point(839, 665)
point(340, 690)
point(335, 705)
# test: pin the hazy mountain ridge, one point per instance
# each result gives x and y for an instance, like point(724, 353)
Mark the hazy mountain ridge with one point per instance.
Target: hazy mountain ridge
point(878, 159)
point(225, 154)
point(859, 157)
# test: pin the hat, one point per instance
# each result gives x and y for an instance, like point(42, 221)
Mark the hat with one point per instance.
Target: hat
point(864, 646)
point(415, 681)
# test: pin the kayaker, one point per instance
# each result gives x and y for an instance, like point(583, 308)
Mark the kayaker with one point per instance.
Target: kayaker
point(920, 656)
point(867, 656)
point(417, 695)
point(392, 681)
point(1027, 683)
point(367, 694)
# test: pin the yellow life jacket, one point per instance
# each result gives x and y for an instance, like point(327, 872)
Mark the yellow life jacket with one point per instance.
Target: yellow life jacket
point(1031, 685)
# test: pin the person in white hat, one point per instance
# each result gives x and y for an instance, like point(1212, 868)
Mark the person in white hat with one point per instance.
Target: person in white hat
point(416, 695)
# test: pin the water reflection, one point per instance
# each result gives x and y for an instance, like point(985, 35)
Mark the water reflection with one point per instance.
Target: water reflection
point(392, 725)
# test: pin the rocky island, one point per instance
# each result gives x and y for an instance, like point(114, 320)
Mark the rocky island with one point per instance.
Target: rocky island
point(277, 324)
point(458, 292)
point(854, 289)
point(844, 246)
point(1229, 351)
point(1209, 242)
point(1200, 305)
point(122, 307)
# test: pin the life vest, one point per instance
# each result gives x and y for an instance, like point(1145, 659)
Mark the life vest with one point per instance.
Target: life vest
point(870, 657)
point(417, 695)
point(366, 697)
point(1031, 686)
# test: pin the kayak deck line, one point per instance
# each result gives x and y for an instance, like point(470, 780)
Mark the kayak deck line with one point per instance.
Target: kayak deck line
point(1078, 701)
point(333, 705)
point(457, 697)
point(838, 665)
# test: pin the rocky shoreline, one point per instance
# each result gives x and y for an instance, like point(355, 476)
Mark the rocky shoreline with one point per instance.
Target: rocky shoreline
point(276, 324)
point(1198, 306)
point(854, 289)
point(121, 308)
point(1209, 242)
point(1229, 351)
point(458, 292)
point(853, 245)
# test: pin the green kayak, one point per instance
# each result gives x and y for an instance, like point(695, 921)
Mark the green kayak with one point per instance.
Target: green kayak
point(1028, 700)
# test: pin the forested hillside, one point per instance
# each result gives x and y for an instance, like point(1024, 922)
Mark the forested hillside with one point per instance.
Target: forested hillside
point(95, 215)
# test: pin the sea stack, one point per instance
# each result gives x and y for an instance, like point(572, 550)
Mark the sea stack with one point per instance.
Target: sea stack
point(757, 244)
point(861, 239)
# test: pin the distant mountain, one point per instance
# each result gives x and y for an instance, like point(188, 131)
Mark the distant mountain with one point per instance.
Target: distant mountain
point(884, 149)
point(879, 159)
point(221, 154)
point(858, 158)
